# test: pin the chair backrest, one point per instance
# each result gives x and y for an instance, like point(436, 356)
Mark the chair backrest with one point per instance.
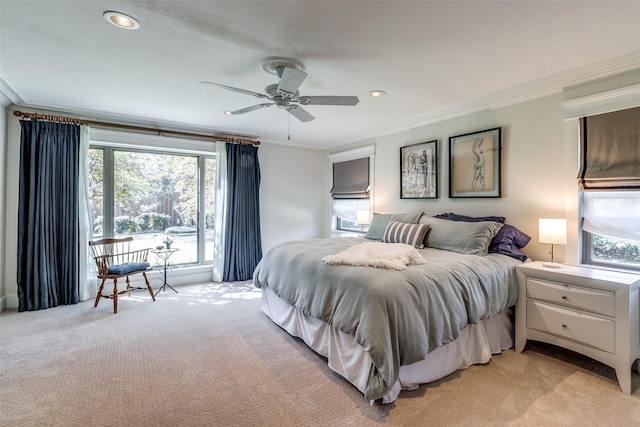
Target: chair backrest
point(110, 252)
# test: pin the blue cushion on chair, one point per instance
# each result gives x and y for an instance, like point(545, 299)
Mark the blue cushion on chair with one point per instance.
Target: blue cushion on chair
point(128, 267)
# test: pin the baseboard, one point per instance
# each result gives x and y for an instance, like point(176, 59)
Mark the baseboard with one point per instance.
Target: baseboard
point(176, 277)
point(9, 302)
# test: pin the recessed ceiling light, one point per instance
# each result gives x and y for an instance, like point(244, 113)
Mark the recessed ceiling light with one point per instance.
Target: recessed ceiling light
point(121, 20)
point(377, 93)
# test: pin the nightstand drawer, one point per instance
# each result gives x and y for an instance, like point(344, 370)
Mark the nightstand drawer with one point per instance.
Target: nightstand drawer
point(600, 302)
point(590, 330)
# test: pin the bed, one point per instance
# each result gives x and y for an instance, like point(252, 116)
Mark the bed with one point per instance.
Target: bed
point(384, 329)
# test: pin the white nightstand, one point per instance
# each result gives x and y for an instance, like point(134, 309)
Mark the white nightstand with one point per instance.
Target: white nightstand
point(590, 311)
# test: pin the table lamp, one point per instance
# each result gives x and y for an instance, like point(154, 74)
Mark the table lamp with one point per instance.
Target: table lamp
point(553, 231)
point(362, 219)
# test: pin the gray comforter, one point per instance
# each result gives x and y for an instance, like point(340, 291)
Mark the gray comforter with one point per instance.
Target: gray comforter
point(396, 316)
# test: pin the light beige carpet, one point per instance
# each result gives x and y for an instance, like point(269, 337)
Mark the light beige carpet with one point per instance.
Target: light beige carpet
point(208, 356)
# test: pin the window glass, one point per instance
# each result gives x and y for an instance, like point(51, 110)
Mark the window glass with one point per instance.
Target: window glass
point(614, 252)
point(346, 225)
point(155, 198)
point(611, 228)
point(346, 211)
point(96, 191)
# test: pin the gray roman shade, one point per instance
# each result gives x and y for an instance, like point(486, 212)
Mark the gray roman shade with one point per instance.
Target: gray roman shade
point(351, 179)
point(610, 151)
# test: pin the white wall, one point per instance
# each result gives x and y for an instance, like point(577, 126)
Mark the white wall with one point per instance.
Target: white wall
point(291, 193)
point(538, 168)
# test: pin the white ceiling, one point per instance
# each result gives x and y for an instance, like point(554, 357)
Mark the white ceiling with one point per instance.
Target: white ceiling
point(432, 58)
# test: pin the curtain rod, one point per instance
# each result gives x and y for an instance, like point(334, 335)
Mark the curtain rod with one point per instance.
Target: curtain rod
point(160, 132)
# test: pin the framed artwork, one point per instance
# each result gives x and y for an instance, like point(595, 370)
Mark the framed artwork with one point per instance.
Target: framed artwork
point(419, 171)
point(474, 164)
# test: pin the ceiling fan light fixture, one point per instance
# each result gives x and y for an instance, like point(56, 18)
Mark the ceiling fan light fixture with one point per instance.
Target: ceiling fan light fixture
point(121, 20)
point(377, 93)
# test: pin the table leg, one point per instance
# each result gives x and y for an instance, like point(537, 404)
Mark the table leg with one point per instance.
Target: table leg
point(165, 284)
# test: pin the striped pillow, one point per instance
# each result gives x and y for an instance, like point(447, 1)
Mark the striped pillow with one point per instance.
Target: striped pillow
point(400, 232)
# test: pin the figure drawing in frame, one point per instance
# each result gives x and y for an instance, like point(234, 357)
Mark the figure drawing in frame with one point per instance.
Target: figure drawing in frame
point(418, 171)
point(478, 183)
point(474, 168)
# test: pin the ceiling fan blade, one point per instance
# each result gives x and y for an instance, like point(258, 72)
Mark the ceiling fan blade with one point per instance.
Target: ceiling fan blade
point(327, 100)
point(248, 109)
point(291, 80)
point(300, 113)
point(235, 89)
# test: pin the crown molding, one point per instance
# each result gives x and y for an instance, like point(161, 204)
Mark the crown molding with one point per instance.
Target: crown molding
point(8, 94)
point(549, 85)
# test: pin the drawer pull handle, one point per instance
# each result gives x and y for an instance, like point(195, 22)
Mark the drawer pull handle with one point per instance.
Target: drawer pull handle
point(564, 325)
point(564, 297)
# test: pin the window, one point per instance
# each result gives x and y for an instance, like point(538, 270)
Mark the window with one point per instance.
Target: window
point(351, 173)
point(153, 195)
point(609, 177)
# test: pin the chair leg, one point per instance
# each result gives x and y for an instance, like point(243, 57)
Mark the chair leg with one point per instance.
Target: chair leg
point(149, 286)
point(115, 295)
point(128, 287)
point(99, 293)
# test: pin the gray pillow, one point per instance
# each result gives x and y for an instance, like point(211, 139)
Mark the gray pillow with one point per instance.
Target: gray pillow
point(458, 236)
point(379, 223)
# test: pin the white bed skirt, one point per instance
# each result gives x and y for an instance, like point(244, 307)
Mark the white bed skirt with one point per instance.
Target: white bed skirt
point(475, 344)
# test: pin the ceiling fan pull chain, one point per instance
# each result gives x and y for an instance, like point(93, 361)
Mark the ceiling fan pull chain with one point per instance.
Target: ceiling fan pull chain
point(289, 124)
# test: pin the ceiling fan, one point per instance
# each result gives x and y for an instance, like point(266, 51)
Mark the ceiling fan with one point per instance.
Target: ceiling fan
point(284, 94)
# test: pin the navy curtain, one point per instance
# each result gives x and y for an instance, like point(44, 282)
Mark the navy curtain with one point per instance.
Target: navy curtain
point(243, 244)
point(48, 214)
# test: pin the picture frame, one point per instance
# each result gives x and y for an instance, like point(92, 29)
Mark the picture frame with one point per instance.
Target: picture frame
point(474, 164)
point(419, 171)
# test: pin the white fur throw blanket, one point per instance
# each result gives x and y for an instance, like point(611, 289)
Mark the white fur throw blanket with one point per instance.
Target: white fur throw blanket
point(377, 254)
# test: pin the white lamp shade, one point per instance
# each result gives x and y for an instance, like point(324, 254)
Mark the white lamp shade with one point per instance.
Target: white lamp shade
point(553, 231)
point(362, 217)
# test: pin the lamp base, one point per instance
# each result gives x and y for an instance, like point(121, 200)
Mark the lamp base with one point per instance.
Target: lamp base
point(552, 265)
